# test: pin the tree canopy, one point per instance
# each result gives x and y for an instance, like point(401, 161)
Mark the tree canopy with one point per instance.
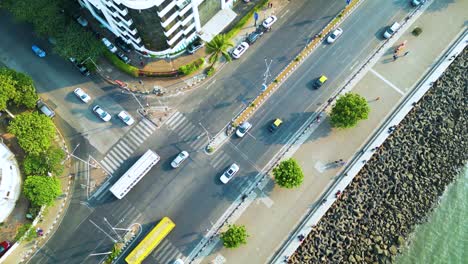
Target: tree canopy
point(33, 131)
point(50, 161)
point(348, 110)
point(41, 190)
point(218, 46)
point(288, 174)
point(235, 236)
point(24, 91)
point(7, 89)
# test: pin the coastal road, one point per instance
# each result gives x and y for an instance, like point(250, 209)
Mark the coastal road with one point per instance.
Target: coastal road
point(192, 195)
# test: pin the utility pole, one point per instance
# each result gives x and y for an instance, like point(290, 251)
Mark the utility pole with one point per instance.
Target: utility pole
point(266, 75)
point(78, 158)
point(92, 61)
point(206, 131)
point(134, 96)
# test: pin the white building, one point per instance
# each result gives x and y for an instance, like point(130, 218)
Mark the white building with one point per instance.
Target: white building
point(10, 182)
point(162, 27)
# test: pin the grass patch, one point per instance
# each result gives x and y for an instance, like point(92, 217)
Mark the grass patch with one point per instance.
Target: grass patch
point(192, 67)
point(129, 69)
point(417, 31)
point(245, 19)
point(25, 232)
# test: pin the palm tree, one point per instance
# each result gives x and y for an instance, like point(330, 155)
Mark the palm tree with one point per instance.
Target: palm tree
point(218, 46)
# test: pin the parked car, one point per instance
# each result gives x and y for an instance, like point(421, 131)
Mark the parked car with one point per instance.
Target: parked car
point(229, 173)
point(269, 21)
point(82, 21)
point(391, 30)
point(123, 45)
point(101, 113)
point(252, 37)
point(4, 246)
point(80, 66)
point(109, 45)
point(45, 109)
point(239, 50)
point(122, 57)
point(417, 2)
point(179, 159)
point(126, 118)
point(179, 261)
point(275, 124)
point(320, 81)
point(195, 45)
point(38, 51)
point(82, 95)
point(334, 35)
point(243, 129)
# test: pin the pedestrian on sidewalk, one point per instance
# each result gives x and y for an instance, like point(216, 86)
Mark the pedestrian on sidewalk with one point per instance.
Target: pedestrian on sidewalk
point(406, 53)
point(377, 98)
point(395, 57)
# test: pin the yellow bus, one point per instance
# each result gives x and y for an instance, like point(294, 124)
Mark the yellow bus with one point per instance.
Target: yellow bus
point(150, 242)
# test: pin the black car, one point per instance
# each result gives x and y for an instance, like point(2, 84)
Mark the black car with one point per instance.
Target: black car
point(122, 56)
point(196, 45)
point(80, 66)
point(253, 37)
point(122, 44)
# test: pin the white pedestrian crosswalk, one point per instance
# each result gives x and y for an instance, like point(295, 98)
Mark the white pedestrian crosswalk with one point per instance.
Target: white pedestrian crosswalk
point(187, 131)
point(166, 253)
point(125, 147)
point(220, 160)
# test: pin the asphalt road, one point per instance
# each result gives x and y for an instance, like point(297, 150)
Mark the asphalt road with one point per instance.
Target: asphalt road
point(192, 195)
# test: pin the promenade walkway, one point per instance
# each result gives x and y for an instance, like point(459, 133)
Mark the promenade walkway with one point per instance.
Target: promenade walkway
point(271, 214)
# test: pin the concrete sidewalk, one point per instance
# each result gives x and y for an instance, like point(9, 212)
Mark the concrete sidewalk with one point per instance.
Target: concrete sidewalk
point(275, 212)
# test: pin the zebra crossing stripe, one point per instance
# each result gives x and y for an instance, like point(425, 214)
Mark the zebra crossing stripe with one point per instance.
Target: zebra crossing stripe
point(149, 124)
point(125, 146)
point(131, 141)
point(223, 157)
point(174, 118)
point(118, 153)
point(112, 154)
point(198, 143)
point(111, 162)
point(107, 166)
point(135, 136)
point(123, 150)
point(186, 130)
point(164, 258)
point(142, 131)
point(146, 129)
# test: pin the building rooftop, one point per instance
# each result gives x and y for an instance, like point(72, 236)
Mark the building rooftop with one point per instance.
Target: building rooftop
point(10, 182)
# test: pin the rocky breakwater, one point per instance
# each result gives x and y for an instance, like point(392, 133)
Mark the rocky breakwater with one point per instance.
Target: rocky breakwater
point(401, 184)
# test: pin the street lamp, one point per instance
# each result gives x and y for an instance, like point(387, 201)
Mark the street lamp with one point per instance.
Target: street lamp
point(206, 131)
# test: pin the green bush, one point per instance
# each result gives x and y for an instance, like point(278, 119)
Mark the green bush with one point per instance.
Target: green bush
point(192, 67)
point(417, 31)
point(245, 19)
point(210, 71)
point(25, 232)
point(234, 236)
point(129, 69)
point(288, 174)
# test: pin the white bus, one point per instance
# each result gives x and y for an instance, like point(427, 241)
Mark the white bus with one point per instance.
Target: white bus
point(135, 174)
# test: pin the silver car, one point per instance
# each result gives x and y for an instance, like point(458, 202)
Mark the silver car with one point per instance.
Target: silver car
point(229, 173)
point(179, 159)
point(101, 113)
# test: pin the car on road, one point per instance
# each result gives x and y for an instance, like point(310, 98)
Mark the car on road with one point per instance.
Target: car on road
point(44, 108)
point(229, 173)
point(38, 51)
point(243, 129)
point(195, 45)
point(80, 66)
point(101, 113)
point(320, 81)
point(275, 124)
point(122, 57)
point(82, 21)
point(239, 50)
point(126, 118)
point(178, 261)
point(4, 246)
point(183, 155)
point(119, 42)
point(252, 37)
point(391, 30)
point(82, 95)
point(417, 2)
point(334, 35)
point(109, 45)
point(269, 21)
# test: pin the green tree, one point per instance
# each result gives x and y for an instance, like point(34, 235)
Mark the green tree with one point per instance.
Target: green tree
point(235, 236)
point(348, 110)
point(77, 43)
point(7, 89)
point(218, 46)
point(51, 161)
point(26, 232)
point(288, 174)
point(33, 131)
point(41, 190)
point(25, 91)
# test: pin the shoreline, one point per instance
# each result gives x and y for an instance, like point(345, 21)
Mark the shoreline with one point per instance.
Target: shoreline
point(402, 183)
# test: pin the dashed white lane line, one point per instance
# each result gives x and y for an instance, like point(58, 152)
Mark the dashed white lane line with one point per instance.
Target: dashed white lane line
point(387, 81)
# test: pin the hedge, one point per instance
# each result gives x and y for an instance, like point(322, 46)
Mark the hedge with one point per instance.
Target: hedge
point(129, 69)
point(192, 67)
point(245, 19)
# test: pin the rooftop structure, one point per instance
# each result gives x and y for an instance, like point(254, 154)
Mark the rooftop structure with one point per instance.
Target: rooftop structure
point(10, 182)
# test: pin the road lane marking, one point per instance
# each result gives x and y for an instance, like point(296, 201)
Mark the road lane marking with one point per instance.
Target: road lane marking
point(149, 124)
point(174, 120)
point(129, 148)
point(111, 155)
point(134, 136)
point(111, 163)
point(120, 154)
point(285, 12)
point(123, 150)
point(386, 81)
point(141, 131)
point(145, 129)
point(107, 166)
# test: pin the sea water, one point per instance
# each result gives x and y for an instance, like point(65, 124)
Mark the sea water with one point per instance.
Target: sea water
point(444, 238)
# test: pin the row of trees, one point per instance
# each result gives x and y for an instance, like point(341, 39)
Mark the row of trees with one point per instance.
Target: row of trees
point(16, 88)
point(50, 20)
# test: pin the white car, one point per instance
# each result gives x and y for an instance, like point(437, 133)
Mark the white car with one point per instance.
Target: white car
point(126, 118)
point(178, 261)
point(269, 21)
point(229, 173)
point(390, 30)
point(239, 50)
point(82, 95)
point(101, 113)
point(109, 45)
point(243, 129)
point(179, 159)
point(334, 35)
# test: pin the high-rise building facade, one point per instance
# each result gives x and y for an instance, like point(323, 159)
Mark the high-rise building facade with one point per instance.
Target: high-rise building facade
point(157, 27)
